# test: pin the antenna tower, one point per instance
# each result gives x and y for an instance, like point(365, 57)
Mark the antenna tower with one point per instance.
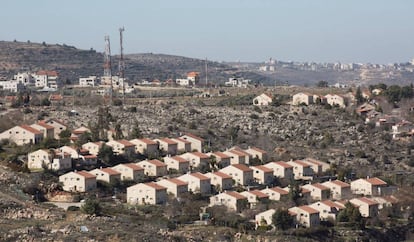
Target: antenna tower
point(122, 64)
point(107, 64)
point(206, 74)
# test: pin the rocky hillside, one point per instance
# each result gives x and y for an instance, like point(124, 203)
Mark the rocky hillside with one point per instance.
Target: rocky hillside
point(73, 63)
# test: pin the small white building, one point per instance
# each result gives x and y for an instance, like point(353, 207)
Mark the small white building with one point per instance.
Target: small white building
point(93, 147)
point(167, 145)
point(241, 174)
point(90, 81)
point(281, 169)
point(222, 160)
point(220, 180)
point(367, 207)
point(146, 193)
point(78, 181)
point(318, 191)
point(153, 167)
point(197, 183)
point(122, 147)
point(301, 169)
point(305, 216)
point(264, 218)
point(368, 187)
point(335, 100)
point(174, 186)
point(302, 98)
point(130, 171)
point(197, 159)
point(196, 142)
point(182, 145)
point(339, 189)
point(262, 174)
point(234, 201)
point(145, 146)
point(50, 159)
point(177, 163)
point(328, 210)
point(108, 175)
point(58, 126)
point(23, 134)
point(263, 100)
point(275, 193)
point(254, 197)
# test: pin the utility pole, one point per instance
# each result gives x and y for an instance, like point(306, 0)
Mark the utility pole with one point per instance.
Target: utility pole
point(122, 64)
point(206, 74)
point(108, 66)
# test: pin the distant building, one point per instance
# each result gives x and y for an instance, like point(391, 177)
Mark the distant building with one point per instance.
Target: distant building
point(237, 82)
point(90, 81)
point(46, 79)
point(302, 98)
point(262, 100)
point(191, 80)
point(12, 86)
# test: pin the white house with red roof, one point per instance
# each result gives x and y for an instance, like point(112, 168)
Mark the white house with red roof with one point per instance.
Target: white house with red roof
point(222, 160)
point(78, 181)
point(78, 132)
point(183, 145)
point(93, 147)
point(328, 210)
point(368, 187)
point(262, 174)
point(275, 193)
point(263, 99)
point(197, 159)
point(129, 171)
point(339, 189)
point(367, 207)
point(197, 182)
point(243, 153)
point(45, 78)
point(146, 193)
point(167, 145)
point(255, 152)
point(145, 146)
point(177, 163)
point(281, 169)
point(153, 167)
point(254, 197)
point(220, 180)
point(108, 175)
point(237, 157)
point(122, 147)
point(51, 159)
point(318, 191)
point(72, 151)
point(233, 201)
point(305, 216)
point(174, 186)
point(47, 130)
point(197, 143)
point(22, 134)
point(301, 170)
point(58, 126)
point(241, 174)
point(317, 166)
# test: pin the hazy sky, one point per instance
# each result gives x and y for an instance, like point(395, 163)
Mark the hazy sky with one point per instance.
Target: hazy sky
point(376, 31)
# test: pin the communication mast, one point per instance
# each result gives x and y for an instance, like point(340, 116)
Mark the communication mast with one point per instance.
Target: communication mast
point(122, 64)
point(206, 74)
point(107, 64)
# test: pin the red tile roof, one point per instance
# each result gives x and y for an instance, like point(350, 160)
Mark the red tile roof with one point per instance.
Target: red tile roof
point(333, 204)
point(168, 141)
point(179, 159)
point(376, 181)
point(238, 153)
point(312, 161)
point(177, 181)
point(238, 149)
point(155, 186)
point(279, 190)
point(194, 137)
point(200, 176)
point(157, 162)
point(90, 156)
point(56, 121)
point(30, 129)
point(301, 163)
point(258, 193)
point(367, 201)
point(110, 171)
point(320, 186)
point(236, 195)
point(222, 175)
point(182, 140)
point(242, 167)
point(133, 166)
point(263, 168)
point(47, 73)
point(125, 142)
point(148, 141)
point(283, 164)
point(192, 74)
point(308, 209)
point(220, 155)
point(340, 183)
point(201, 155)
point(55, 97)
point(85, 174)
point(44, 125)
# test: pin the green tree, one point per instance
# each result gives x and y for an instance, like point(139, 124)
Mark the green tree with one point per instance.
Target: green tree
point(91, 206)
point(282, 219)
point(393, 93)
point(106, 154)
point(358, 96)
